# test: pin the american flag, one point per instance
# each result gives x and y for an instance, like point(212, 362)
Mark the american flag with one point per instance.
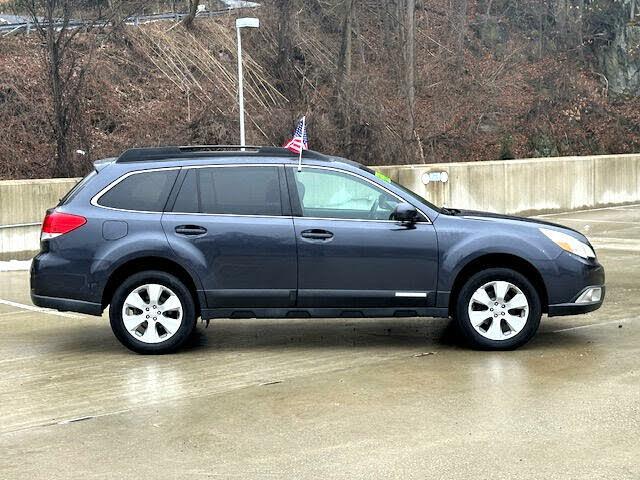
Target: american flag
point(300, 141)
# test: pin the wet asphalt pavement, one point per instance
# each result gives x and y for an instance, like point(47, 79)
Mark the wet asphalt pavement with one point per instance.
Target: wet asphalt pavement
point(338, 398)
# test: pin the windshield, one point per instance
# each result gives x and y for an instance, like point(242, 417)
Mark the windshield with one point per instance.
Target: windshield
point(411, 194)
point(415, 196)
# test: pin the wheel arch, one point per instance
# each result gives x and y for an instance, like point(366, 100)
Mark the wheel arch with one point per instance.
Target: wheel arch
point(140, 264)
point(500, 260)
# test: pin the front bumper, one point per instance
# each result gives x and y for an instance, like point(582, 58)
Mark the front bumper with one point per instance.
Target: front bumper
point(573, 308)
point(567, 278)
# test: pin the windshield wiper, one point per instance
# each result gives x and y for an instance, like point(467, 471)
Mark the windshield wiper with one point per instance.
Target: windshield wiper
point(450, 211)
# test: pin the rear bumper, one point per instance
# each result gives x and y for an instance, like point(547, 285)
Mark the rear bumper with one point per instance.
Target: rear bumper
point(67, 304)
point(62, 285)
point(573, 308)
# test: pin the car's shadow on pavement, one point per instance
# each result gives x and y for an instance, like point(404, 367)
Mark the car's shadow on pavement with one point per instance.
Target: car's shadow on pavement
point(236, 334)
point(323, 333)
point(424, 334)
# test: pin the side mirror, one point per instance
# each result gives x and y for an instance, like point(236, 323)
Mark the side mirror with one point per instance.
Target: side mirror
point(405, 213)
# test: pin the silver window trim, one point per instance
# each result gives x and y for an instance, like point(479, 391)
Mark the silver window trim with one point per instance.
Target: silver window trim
point(382, 187)
point(97, 196)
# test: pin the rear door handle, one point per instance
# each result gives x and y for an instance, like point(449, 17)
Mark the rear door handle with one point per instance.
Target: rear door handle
point(190, 230)
point(317, 234)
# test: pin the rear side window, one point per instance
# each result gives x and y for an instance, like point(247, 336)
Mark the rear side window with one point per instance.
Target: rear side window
point(145, 191)
point(251, 190)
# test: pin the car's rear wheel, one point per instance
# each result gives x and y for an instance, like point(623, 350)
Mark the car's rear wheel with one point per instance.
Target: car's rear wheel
point(498, 309)
point(152, 312)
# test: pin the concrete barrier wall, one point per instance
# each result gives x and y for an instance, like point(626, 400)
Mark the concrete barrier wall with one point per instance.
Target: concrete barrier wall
point(22, 207)
point(529, 186)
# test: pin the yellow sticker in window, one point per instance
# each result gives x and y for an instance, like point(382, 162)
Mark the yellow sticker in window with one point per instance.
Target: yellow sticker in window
point(382, 176)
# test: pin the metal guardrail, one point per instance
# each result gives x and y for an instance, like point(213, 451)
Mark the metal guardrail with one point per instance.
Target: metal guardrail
point(21, 225)
point(9, 28)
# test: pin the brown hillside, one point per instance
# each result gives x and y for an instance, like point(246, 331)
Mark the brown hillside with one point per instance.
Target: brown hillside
point(487, 86)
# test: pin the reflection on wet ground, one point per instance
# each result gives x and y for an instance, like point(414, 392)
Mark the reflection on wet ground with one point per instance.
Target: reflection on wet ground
point(334, 398)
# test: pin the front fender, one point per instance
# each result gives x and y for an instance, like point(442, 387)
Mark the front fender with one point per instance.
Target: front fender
point(463, 240)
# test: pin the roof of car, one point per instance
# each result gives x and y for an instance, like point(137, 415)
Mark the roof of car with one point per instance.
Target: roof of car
point(194, 152)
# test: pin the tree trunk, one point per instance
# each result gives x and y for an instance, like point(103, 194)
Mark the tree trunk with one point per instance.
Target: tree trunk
point(462, 31)
point(386, 20)
point(344, 56)
point(410, 65)
point(115, 6)
point(580, 27)
point(284, 40)
point(191, 15)
point(59, 124)
point(343, 93)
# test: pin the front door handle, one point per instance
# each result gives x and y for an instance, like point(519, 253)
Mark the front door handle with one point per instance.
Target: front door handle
point(190, 230)
point(317, 234)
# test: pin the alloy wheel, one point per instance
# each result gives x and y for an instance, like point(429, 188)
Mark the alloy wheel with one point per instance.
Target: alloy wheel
point(498, 310)
point(152, 313)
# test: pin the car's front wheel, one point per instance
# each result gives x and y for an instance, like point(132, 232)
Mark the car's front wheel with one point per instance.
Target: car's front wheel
point(152, 312)
point(498, 309)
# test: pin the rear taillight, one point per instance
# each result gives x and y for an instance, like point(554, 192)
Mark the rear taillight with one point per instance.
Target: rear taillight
point(58, 223)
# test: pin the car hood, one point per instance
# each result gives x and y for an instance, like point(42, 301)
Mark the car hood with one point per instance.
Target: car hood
point(533, 222)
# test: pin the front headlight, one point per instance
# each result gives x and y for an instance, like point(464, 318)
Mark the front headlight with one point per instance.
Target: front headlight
point(568, 243)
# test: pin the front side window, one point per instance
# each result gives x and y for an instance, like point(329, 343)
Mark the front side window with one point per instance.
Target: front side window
point(250, 190)
point(331, 194)
point(143, 192)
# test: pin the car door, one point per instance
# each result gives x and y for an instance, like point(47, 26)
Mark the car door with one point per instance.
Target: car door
point(350, 254)
point(231, 225)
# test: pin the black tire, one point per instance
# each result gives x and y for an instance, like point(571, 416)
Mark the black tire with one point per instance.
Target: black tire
point(188, 312)
point(476, 281)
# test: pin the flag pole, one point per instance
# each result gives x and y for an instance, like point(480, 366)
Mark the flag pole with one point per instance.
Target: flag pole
point(304, 126)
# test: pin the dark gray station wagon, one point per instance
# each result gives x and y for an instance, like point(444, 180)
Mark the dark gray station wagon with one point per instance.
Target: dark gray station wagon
point(166, 235)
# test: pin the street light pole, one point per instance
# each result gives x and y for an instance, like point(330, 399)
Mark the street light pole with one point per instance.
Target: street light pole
point(241, 23)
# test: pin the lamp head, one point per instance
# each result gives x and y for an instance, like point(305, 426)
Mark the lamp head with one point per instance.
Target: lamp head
point(247, 22)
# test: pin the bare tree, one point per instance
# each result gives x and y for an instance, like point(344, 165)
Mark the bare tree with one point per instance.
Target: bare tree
point(68, 61)
point(191, 14)
point(66, 70)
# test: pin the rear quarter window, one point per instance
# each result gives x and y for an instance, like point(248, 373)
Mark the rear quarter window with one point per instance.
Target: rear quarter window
point(140, 191)
point(77, 188)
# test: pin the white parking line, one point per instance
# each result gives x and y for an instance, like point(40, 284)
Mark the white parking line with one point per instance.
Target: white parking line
point(15, 312)
point(618, 207)
point(637, 224)
point(624, 320)
point(66, 421)
point(609, 243)
point(18, 359)
point(37, 309)
point(629, 206)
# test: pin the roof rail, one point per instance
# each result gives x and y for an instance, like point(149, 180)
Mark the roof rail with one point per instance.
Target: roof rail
point(203, 151)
